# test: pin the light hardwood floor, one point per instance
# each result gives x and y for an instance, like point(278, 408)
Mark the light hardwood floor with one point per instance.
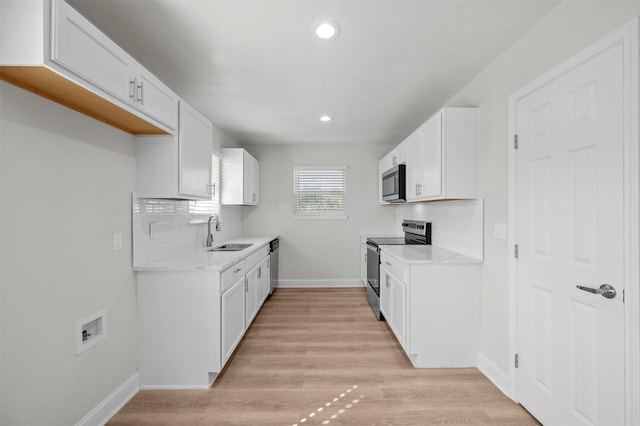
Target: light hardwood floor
point(316, 357)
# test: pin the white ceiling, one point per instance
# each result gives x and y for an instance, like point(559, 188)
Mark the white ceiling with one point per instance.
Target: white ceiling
point(255, 68)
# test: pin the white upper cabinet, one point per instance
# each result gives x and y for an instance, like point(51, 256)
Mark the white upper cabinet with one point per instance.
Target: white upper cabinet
point(240, 178)
point(51, 49)
point(397, 155)
point(82, 49)
point(176, 166)
point(442, 157)
point(153, 98)
point(194, 158)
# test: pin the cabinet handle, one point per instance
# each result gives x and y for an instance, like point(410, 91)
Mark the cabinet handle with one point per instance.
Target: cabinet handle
point(260, 272)
point(246, 286)
point(213, 189)
point(235, 271)
point(388, 282)
point(388, 263)
point(141, 90)
point(132, 89)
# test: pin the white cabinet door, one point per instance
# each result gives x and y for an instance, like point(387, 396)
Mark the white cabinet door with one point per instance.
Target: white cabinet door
point(431, 158)
point(253, 291)
point(154, 98)
point(233, 318)
point(240, 178)
point(84, 50)
point(442, 157)
point(195, 149)
point(251, 195)
point(393, 304)
point(179, 165)
point(397, 155)
point(80, 47)
point(399, 309)
point(414, 173)
point(266, 279)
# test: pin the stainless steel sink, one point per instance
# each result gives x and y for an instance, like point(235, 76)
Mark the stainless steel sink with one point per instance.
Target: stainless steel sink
point(229, 247)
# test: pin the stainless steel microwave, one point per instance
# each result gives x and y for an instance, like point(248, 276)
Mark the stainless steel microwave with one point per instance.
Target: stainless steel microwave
point(394, 184)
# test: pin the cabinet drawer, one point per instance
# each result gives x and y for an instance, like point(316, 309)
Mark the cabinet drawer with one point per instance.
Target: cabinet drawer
point(255, 258)
point(396, 268)
point(232, 275)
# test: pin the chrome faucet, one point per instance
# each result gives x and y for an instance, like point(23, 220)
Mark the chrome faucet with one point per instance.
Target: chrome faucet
point(209, 234)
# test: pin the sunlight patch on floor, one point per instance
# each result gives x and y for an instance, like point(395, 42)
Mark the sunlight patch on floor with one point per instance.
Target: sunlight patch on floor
point(329, 404)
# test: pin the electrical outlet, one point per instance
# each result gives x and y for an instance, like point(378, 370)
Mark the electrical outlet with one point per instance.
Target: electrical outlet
point(117, 241)
point(500, 231)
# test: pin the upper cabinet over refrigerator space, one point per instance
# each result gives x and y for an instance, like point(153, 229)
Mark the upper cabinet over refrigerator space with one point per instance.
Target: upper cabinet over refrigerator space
point(49, 48)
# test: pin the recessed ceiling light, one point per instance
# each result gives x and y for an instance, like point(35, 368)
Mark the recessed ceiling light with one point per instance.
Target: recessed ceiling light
point(326, 118)
point(326, 30)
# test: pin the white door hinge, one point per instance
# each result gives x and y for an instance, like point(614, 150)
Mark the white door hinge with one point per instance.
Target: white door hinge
point(517, 361)
point(515, 251)
point(515, 141)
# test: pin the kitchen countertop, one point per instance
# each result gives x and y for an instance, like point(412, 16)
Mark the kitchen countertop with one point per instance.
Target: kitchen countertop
point(427, 254)
point(201, 260)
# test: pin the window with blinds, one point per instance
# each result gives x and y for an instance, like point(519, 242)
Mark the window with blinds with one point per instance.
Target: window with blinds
point(320, 191)
point(205, 208)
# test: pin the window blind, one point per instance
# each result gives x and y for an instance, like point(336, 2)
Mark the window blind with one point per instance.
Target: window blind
point(208, 207)
point(320, 191)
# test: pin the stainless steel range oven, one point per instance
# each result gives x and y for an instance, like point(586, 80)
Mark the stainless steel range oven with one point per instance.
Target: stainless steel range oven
point(415, 232)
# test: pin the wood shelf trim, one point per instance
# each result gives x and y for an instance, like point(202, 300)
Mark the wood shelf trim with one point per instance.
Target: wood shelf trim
point(55, 87)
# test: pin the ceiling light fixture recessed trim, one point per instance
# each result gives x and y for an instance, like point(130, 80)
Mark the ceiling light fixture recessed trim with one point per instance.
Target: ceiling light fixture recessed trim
point(326, 29)
point(326, 118)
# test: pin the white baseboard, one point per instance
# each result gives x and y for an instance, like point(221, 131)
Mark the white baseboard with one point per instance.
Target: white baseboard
point(108, 408)
point(174, 387)
point(495, 374)
point(344, 283)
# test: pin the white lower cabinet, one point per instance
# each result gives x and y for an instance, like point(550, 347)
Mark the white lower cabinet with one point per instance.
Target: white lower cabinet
point(255, 283)
point(189, 323)
point(252, 288)
point(393, 303)
point(233, 317)
point(433, 310)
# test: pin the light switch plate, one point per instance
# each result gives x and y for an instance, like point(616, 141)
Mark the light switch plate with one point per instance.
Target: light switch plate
point(117, 241)
point(500, 231)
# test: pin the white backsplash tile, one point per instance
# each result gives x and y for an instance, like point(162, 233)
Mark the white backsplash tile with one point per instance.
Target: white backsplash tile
point(164, 228)
point(456, 225)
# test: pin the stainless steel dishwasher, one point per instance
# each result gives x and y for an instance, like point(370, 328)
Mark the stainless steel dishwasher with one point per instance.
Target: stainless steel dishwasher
point(274, 248)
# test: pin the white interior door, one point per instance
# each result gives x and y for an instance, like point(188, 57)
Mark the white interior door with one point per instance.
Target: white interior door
point(569, 229)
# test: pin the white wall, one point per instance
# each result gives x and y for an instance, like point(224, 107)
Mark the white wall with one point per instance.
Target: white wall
point(66, 187)
point(567, 29)
point(321, 250)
